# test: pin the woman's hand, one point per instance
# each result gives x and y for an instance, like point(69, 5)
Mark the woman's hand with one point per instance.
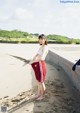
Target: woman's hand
point(35, 59)
point(31, 61)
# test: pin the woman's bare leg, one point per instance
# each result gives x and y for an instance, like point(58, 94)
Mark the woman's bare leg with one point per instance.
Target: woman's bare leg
point(42, 91)
point(39, 90)
point(44, 88)
point(41, 87)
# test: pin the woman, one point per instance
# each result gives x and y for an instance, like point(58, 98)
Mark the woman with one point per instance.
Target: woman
point(39, 66)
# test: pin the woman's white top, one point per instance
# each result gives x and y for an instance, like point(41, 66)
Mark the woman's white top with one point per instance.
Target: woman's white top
point(43, 51)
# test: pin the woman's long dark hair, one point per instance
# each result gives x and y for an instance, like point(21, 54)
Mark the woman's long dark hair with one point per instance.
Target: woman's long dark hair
point(42, 36)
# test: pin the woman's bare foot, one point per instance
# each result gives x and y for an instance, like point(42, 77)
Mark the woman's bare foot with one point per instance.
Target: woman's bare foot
point(40, 98)
point(37, 96)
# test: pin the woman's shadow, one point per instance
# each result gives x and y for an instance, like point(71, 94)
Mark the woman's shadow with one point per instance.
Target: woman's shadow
point(21, 59)
point(31, 100)
point(26, 62)
point(32, 85)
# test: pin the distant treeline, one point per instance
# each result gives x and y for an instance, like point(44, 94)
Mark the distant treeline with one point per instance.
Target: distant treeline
point(63, 39)
point(16, 36)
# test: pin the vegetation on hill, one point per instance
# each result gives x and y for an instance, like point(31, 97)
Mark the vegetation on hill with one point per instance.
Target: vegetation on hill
point(62, 39)
point(16, 36)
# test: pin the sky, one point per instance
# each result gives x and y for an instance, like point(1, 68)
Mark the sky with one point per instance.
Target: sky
point(41, 16)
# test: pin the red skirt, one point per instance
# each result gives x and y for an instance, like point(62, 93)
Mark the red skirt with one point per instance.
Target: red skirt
point(40, 70)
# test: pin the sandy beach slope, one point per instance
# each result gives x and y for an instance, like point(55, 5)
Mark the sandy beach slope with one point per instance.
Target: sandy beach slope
point(61, 95)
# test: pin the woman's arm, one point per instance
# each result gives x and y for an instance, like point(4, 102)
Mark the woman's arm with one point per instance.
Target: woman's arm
point(34, 58)
point(41, 57)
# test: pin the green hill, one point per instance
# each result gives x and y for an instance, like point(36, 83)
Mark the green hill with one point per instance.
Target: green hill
point(62, 39)
point(16, 36)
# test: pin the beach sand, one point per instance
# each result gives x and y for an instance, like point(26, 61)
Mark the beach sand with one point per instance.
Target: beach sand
point(61, 96)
